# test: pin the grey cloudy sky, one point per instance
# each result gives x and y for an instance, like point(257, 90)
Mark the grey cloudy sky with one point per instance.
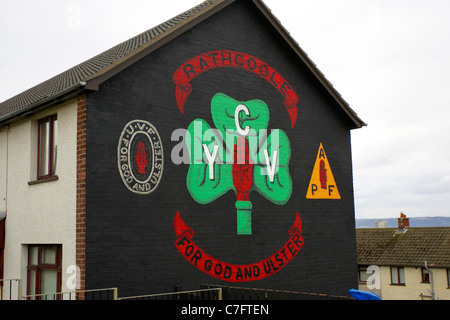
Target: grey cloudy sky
point(388, 59)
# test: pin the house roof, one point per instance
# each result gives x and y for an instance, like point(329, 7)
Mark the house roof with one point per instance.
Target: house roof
point(91, 73)
point(388, 247)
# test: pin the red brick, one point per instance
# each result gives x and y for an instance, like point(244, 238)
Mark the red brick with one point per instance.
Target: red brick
point(81, 188)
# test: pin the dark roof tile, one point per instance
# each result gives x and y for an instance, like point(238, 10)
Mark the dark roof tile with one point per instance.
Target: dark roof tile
point(386, 246)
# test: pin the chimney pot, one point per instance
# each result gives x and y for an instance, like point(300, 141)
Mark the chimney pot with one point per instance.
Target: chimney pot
point(403, 221)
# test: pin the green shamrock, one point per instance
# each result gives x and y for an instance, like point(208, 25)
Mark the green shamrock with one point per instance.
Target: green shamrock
point(238, 155)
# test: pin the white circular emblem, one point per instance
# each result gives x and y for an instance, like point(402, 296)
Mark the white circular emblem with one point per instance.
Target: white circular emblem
point(140, 157)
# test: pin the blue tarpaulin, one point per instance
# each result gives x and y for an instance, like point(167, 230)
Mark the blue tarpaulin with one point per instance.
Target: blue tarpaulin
point(363, 295)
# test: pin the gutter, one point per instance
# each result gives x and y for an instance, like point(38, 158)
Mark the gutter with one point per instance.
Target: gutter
point(36, 107)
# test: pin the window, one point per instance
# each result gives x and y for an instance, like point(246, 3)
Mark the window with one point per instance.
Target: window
point(44, 270)
point(398, 275)
point(425, 276)
point(448, 278)
point(362, 274)
point(47, 146)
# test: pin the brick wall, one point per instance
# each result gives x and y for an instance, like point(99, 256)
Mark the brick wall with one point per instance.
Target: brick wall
point(81, 188)
point(130, 238)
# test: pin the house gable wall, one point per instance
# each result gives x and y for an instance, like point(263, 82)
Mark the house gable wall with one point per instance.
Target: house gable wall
point(131, 237)
point(38, 212)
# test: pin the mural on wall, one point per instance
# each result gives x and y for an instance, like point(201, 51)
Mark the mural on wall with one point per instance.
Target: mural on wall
point(238, 159)
point(238, 155)
point(322, 184)
point(235, 153)
point(232, 272)
point(232, 59)
point(140, 157)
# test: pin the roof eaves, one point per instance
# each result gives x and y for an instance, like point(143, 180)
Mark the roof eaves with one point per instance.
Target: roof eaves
point(40, 105)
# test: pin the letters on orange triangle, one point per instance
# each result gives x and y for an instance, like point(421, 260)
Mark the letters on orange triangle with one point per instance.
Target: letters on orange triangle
point(322, 184)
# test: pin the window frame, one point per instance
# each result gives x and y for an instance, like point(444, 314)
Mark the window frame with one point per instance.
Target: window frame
point(51, 172)
point(398, 283)
point(425, 276)
point(37, 268)
point(448, 278)
point(362, 269)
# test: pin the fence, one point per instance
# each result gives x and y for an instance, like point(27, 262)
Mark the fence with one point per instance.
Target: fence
point(112, 294)
point(202, 294)
point(238, 293)
point(96, 294)
point(10, 289)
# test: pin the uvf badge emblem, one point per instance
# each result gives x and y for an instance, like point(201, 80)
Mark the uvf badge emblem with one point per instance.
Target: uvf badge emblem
point(140, 157)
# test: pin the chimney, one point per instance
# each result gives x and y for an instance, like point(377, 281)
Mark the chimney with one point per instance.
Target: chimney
point(403, 221)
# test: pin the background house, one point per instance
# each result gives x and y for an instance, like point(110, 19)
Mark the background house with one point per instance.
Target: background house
point(408, 263)
point(98, 171)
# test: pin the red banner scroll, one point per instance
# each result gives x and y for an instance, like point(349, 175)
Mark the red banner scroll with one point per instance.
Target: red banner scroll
point(231, 272)
point(226, 58)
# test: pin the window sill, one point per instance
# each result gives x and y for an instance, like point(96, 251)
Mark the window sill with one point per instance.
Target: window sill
point(52, 178)
point(398, 284)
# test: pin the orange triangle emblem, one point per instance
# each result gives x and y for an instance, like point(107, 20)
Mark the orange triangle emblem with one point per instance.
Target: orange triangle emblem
point(322, 184)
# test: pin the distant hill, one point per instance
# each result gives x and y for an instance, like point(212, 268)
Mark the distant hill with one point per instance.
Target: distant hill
point(413, 222)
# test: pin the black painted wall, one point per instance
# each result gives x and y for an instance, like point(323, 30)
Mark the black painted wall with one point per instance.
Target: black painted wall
point(130, 241)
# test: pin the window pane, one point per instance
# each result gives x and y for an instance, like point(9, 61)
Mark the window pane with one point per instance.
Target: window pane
point(33, 258)
point(48, 283)
point(448, 278)
point(48, 255)
point(401, 272)
point(425, 276)
point(394, 275)
point(43, 275)
point(44, 140)
point(32, 282)
point(55, 145)
point(363, 276)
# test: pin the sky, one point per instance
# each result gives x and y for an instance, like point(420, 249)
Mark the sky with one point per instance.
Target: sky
point(388, 59)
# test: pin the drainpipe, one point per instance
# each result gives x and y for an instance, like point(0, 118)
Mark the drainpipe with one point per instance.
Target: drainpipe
point(431, 280)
